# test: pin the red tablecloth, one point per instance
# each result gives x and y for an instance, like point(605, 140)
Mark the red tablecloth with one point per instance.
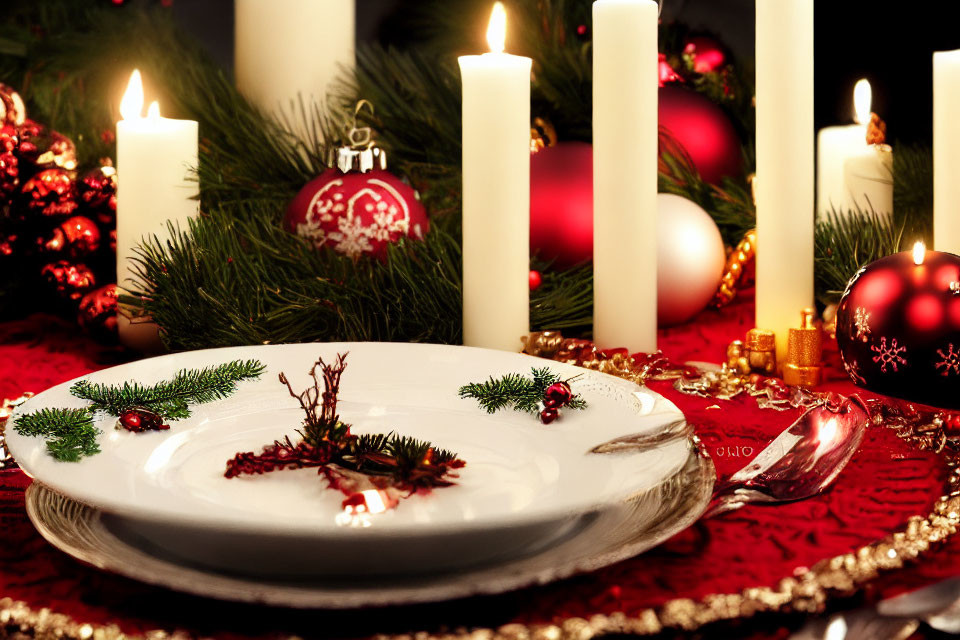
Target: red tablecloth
point(887, 482)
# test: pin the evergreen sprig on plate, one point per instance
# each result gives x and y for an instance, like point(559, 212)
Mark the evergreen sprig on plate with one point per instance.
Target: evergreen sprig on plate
point(522, 393)
point(170, 398)
point(70, 433)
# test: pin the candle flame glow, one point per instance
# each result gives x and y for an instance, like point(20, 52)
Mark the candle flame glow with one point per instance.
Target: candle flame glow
point(132, 103)
point(153, 112)
point(497, 31)
point(919, 252)
point(862, 101)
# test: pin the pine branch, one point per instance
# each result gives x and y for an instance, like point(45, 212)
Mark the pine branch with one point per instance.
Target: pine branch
point(170, 398)
point(69, 433)
point(845, 243)
point(516, 391)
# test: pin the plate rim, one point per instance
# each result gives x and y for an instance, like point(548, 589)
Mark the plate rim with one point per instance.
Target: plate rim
point(695, 480)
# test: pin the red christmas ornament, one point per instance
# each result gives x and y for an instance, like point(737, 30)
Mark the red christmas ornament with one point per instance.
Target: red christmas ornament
point(45, 148)
point(535, 280)
point(666, 72)
point(898, 327)
point(79, 236)
point(140, 420)
point(70, 281)
point(705, 54)
point(12, 109)
point(97, 189)
point(358, 208)
point(9, 175)
point(52, 192)
point(549, 415)
point(98, 310)
point(559, 392)
point(703, 130)
point(561, 203)
point(9, 139)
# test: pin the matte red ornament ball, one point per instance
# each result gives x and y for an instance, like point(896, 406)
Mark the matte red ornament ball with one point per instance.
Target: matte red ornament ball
point(898, 328)
point(704, 131)
point(357, 213)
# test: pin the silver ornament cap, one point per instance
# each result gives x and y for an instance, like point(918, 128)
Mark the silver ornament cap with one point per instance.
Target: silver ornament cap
point(359, 160)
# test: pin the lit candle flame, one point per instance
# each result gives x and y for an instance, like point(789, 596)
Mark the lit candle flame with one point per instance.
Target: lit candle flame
point(862, 101)
point(497, 31)
point(919, 252)
point(132, 103)
point(153, 112)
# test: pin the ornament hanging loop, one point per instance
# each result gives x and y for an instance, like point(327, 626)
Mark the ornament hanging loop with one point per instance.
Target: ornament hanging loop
point(361, 153)
point(360, 137)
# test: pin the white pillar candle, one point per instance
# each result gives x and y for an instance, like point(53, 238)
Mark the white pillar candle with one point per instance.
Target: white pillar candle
point(785, 159)
point(946, 151)
point(496, 194)
point(155, 158)
point(287, 49)
point(625, 138)
point(851, 174)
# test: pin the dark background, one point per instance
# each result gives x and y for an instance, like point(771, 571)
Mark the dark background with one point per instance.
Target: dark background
point(890, 43)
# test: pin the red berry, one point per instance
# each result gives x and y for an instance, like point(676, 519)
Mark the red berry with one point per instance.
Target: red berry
point(549, 415)
point(535, 280)
point(550, 403)
point(559, 392)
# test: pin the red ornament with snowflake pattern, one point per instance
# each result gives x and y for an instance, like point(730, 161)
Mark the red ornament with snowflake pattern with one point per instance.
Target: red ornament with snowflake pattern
point(358, 212)
point(898, 327)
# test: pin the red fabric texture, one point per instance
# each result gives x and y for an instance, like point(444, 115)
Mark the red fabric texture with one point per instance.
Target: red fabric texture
point(885, 483)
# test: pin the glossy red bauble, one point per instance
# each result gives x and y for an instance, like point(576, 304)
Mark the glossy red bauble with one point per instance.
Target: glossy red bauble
point(52, 192)
point(98, 310)
point(706, 54)
point(561, 203)
point(704, 131)
point(357, 213)
point(898, 328)
point(78, 236)
point(70, 281)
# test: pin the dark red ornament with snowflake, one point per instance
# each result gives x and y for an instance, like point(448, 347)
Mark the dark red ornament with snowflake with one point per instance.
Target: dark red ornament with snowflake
point(357, 208)
point(898, 327)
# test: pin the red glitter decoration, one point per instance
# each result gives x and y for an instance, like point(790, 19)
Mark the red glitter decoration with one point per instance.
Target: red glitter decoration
point(79, 236)
point(71, 281)
point(51, 192)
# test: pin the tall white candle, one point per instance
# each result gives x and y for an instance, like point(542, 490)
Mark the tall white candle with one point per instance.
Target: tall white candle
point(155, 157)
point(851, 174)
point(946, 151)
point(496, 194)
point(286, 49)
point(785, 162)
point(625, 137)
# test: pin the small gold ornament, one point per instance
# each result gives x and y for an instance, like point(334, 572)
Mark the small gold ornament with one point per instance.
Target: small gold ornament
point(804, 353)
point(542, 135)
point(737, 262)
point(737, 357)
point(761, 351)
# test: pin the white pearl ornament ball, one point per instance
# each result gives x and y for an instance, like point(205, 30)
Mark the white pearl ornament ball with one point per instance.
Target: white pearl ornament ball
point(690, 259)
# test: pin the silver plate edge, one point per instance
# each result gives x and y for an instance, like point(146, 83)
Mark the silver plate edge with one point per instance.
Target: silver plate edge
point(617, 534)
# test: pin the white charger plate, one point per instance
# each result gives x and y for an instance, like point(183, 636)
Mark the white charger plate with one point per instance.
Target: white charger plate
point(524, 482)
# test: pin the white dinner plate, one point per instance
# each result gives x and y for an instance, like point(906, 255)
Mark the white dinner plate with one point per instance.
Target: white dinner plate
point(523, 481)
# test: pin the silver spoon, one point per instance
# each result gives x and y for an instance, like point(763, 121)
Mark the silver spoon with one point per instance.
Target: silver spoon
point(801, 462)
